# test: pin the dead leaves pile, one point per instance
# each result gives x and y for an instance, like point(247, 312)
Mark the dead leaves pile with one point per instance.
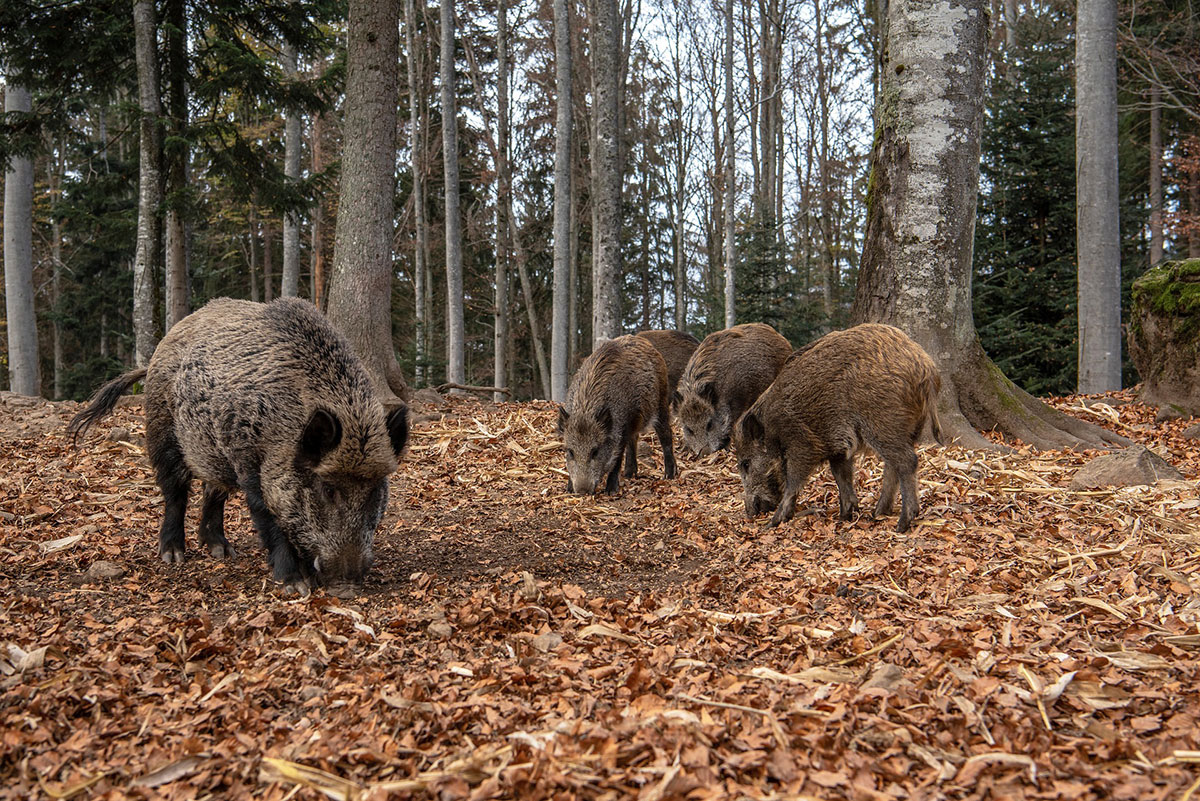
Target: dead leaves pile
point(1022, 641)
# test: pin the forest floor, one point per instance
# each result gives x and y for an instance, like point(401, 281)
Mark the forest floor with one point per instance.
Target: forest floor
point(1022, 640)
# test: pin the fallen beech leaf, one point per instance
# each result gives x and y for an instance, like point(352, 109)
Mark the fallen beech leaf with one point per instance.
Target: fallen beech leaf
point(601, 630)
point(971, 769)
point(54, 546)
point(168, 773)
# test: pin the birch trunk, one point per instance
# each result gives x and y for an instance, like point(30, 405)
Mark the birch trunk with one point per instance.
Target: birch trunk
point(562, 202)
point(149, 226)
point(1156, 176)
point(1097, 211)
point(290, 283)
point(177, 300)
point(57, 169)
point(503, 205)
point(915, 270)
point(606, 176)
point(417, 165)
point(455, 351)
point(730, 245)
point(360, 286)
point(24, 374)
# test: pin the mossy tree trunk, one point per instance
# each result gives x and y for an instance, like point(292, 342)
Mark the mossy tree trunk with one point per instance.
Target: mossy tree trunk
point(916, 264)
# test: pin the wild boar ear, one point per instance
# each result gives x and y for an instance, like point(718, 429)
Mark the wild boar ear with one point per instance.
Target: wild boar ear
point(604, 417)
point(752, 427)
point(321, 435)
point(397, 428)
point(563, 417)
point(709, 393)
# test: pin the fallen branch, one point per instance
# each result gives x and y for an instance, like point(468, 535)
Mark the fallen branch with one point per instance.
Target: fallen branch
point(472, 388)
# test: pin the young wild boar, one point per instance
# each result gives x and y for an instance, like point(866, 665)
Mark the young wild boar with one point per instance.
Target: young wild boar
point(618, 391)
point(271, 400)
point(676, 348)
point(725, 375)
point(869, 386)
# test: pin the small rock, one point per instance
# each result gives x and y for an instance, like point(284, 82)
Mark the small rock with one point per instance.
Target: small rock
point(1130, 467)
point(886, 676)
point(547, 642)
point(440, 630)
point(120, 434)
point(1192, 431)
point(102, 570)
point(430, 396)
point(1170, 412)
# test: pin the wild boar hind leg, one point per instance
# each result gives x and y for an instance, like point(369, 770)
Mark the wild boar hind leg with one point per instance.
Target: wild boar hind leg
point(662, 427)
point(797, 471)
point(903, 461)
point(212, 521)
point(174, 480)
point(842, 468)
point(614, 476)
point(285, 563)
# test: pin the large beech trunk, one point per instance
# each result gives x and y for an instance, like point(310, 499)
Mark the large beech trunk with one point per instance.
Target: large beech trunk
point(360, 286)
point(916, 264)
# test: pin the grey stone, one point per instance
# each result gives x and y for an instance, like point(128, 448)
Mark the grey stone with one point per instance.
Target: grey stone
point(1130, 467)
point(429, 396)
point(1170, 411)
point(1192, 431)
point(102, 570)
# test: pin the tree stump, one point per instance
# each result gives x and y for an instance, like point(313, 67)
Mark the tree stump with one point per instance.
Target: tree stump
point(1164, 335)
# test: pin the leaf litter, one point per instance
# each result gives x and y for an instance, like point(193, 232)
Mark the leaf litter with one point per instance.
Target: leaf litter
point(1022, 640)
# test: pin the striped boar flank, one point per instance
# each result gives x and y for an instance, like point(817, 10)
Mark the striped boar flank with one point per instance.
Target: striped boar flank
point(726, 374)
point(676, 348)
point(866, 387)
point(268, 399)
point(618, 391)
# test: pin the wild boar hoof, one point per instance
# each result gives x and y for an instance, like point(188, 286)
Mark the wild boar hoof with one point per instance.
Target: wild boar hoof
point(221, 550)
point(298, 587)
point(171, 555)
point(849, 514)
point(904, 524)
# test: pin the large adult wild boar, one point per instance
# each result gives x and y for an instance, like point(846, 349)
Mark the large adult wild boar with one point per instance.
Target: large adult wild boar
point(271, 400)
point(867, 387)
point(619, 390)
point(676, 348)
point(726, 374)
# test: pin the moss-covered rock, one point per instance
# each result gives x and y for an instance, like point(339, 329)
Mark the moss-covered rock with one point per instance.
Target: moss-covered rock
point(1164, 334)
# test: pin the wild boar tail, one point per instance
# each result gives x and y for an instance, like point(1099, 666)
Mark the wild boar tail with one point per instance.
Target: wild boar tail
point(103, 402)
point(932, 386)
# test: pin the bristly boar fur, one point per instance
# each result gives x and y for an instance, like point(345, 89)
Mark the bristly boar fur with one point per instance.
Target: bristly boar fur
point(869, 386)
point(726, 374)
point(271, 400)
point(619, 390)
point(676, 348)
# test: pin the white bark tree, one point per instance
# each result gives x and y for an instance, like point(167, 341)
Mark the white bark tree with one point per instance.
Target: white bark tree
point(178, 302)
point(24, 374)
point(1156, 176)
point(730, 174)
point(417, 165)
point(606, 177)
point(149, 225)
point(915, 271)
point(562, 202)
point(360, 286)
point(1097, 201)
point(455, 328)
point(290, 285)
point(503, 204)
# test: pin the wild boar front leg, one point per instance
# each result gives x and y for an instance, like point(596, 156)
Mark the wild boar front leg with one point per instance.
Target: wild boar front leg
point(614, 476)
point(212, 521)
point(842, 468)
point(281, 555)
point(796, 472)
point(631, 454)
point(662, 427)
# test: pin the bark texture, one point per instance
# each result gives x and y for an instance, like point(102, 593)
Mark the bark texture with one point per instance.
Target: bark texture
point(1097, 203)
point(417, 159)
point(360, 286)
point(290, 285)
point(730, 247)
point(916, 264)
point(503, 206)
point(24, 375)
point(149, 226)
point(562, 201)
point(177, 245)
point(606, 176)
point(1156, 176)
point(455, 328)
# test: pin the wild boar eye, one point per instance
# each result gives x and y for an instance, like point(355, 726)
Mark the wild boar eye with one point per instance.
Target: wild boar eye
point(710, 425)
point(744, 466)
point(570, 453)
point(595, 452)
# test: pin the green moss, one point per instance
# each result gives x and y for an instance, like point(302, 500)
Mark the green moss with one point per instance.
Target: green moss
point(1006, 391)
point(1173, 290)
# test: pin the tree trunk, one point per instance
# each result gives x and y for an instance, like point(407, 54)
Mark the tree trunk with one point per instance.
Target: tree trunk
point(455, 334)
point(57, 168)
point(1193, 182)
point(535, 335)
point(829, 275)
point(290, 285)
point(730, 176)
point(149, 226)
point(268, 263)
point(915, 271)
point(360, 287)
point(24, 374)
point(417, 165)
point(1156, 176)
point(562, 202)
point(573, 275)
point(177, 246)
point(606, 177)
point(503, 205)
point(318, 238)
point(1098, 227)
